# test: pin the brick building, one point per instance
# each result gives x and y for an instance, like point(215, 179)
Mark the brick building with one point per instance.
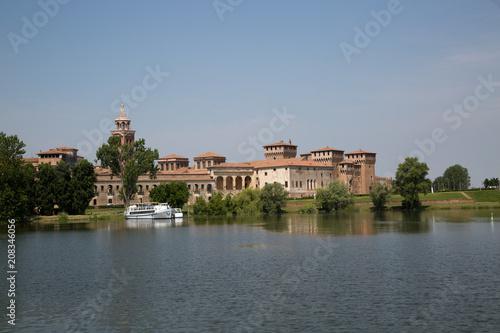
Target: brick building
point(300, 176)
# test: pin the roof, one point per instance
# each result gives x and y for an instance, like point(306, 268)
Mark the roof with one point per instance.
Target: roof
point(288, 162)
point(346, 162)
point(305, 154)
point(122, 115)
point(209, 154)
point(30, 159)
point(273, 163)
point(326, 149)
point(281, 143)
point(66, 148)
point(173, 156)
point(54, 151)
point(360, 152)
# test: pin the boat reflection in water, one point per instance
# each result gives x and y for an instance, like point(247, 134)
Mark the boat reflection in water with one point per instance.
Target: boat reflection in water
point(154, 223)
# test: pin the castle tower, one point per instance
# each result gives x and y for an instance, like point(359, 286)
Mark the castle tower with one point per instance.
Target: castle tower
point(329, 156)
point(122, 127)
point(366, 160)
point(280, 150)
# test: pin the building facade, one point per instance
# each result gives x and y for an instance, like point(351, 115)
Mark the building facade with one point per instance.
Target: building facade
point(300, 176)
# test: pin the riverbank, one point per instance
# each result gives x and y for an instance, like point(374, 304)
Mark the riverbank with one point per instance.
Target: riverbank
point(472, 199)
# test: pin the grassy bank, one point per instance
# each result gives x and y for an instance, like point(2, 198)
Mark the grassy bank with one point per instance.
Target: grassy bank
point(482, 198)
point(91, 215)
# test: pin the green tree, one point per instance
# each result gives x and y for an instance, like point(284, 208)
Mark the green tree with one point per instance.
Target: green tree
point(82, 183)
point(200, 206)
point(63, 193)
point(380, 195)
point(439, 184)
point(248, 202)
point(457, 177)
point(128, 162)
point(216, 205)
point(411, 180)
point(490, 182)
point(175, 193)
point(16, 180)
point(46, 189)
point(229, 204)
point(334, 197)
point(273, 197)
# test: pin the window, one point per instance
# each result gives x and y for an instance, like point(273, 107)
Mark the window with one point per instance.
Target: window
point(147, 187)
point(274, 169)
point(209, 163)
point(204, 165)
point(301, 184)
point(286, 183)
point(265, 173)
point(102, 187)
point(198, 165)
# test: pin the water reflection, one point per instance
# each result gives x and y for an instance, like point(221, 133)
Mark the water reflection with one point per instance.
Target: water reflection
point(347, 224)
point(152, 223)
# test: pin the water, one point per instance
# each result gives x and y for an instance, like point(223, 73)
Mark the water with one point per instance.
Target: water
point(362, 272)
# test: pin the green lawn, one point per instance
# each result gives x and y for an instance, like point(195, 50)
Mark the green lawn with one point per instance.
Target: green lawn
point(485, 195)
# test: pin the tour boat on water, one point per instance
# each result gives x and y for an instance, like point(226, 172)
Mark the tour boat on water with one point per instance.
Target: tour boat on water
point(152, 210)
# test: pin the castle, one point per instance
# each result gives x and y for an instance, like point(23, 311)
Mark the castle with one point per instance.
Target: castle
point(300, 176)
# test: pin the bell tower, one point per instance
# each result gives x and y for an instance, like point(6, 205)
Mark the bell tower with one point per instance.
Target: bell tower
point(122, 128)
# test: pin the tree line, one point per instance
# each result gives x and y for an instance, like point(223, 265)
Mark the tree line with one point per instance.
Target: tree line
point(26, 190)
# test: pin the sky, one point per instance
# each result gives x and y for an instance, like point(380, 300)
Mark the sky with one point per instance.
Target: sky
point(399, 78)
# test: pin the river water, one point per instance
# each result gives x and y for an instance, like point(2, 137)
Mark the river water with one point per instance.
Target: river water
point(437, 271)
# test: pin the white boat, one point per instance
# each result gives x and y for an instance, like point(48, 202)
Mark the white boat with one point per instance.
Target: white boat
point(152, 210)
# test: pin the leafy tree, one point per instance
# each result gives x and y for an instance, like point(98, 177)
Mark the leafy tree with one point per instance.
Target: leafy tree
point(82, 186)
point(63, 194)
point(200, 206)
point(128, 162)
point(16, 180)
point(216, 205)
point(46, 189)
point(411, 180)
point(457, 177)
point(175, 193)
point(439, 184)
point(334, 197)
point(380, 195)
point(229, 204)
point(273, 197)
point(490, 182)
point(248, 202)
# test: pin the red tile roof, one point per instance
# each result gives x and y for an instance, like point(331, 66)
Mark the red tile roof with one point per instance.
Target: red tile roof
point(326, 149)
point(273, 163)
point(66, 148)
point(209, 154)
point(281, 143)
point(360, 152)
point(173, 156)
point(55, 152)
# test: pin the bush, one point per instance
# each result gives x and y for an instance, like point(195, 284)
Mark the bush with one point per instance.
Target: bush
point(380, 195)
point(62, 218)
point(273, 197)
point(335, 197)
point(200, 206)
point(248, 202)
point(308, 209)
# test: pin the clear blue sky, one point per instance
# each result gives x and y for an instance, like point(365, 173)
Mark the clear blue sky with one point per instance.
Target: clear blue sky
point(229, 67)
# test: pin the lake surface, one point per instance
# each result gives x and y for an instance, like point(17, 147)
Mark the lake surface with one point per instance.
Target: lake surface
point(438, 271)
